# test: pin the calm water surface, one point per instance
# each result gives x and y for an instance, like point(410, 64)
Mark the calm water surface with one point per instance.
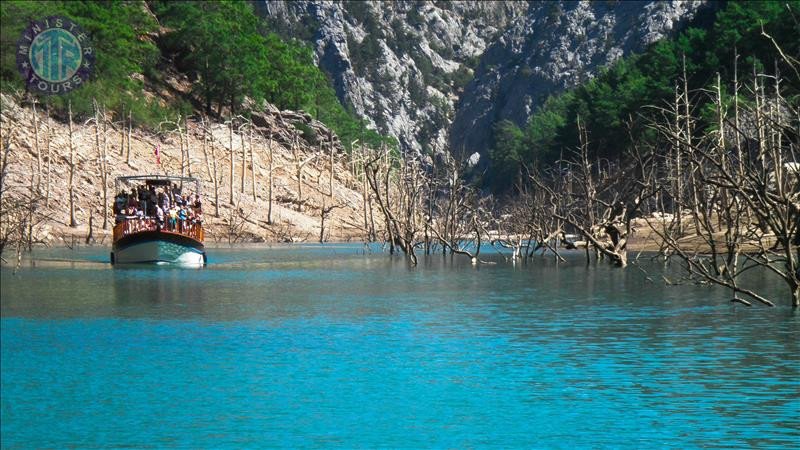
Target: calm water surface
point(326, 346)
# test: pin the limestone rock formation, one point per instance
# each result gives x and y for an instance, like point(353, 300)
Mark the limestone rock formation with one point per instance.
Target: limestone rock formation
point(437, 74)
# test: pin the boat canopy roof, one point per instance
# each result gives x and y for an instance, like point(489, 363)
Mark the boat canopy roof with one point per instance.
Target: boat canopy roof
point(156, 180)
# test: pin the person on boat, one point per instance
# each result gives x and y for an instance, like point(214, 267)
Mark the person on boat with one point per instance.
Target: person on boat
point(140, 221)
point(142, 196)
point(181, 219)
point(159, 218)
point(165, 205)
point(173, 218)
point(197, 204)
point(190, 216)
point(119, 202)
point(152, 202)
point(133, 202)
point(176, 192)
point(126, 213)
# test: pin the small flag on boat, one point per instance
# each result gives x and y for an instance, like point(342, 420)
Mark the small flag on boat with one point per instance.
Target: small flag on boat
point(158, 154)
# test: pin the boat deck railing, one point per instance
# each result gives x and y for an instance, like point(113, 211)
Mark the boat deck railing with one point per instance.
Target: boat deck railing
point(133, 225)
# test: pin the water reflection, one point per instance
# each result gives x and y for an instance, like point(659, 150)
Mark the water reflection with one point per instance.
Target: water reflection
point(165, 289)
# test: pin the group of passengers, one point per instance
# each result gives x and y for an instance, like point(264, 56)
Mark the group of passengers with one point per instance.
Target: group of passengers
point(165, 207)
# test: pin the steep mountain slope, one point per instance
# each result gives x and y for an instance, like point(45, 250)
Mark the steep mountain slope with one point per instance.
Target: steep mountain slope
point(556, 46)
point(438, 74)
point(297, 205)
point(399, 64)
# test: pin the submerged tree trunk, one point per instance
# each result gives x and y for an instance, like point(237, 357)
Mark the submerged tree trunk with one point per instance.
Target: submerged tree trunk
point(244, 160)
point(130, 131)
point(36, 144)
point(71, 184)
point(187, 146)
point(269, 186)
point(252, 164)
point(49, 159)
point(330, 179)
point(104, 168)
point(231, 201)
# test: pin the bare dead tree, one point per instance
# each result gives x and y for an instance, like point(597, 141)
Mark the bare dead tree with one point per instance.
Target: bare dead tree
point(37, 147)
point(231, 200)
point(102, 157)
point(324, 212)
point(211, 163)
point(601, 212)
point(244, 125)
point(49, 158)
point(358, 158)
point(71, 167)
point(7, 224)
point(122, 131)
point(515, 224)
point(90, 233)
point(746, 204)
point(330, 165)
point(130, 131)
point(458, 215)
point(179, 129)
point(299, 164)
point(19, 204)
point(236, 222)
point(422, 206)
point(253, 180)
point(400, 218)
point(270, 181)
point(187, 146)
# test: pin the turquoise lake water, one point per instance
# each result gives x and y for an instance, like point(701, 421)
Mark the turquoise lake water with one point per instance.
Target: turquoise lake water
point(332, 346)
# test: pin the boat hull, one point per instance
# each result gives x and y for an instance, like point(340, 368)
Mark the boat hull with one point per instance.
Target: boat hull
point(158, 247)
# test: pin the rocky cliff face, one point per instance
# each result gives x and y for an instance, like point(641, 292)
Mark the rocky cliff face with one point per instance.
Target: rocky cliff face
point(554, 47)
point(438, 74)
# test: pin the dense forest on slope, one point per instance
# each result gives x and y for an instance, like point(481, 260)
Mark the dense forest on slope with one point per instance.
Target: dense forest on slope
point(227, 53)
point(615, 106)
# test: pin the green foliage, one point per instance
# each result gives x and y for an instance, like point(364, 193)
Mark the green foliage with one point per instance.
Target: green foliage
point(404, 41)
point(220, 44)
point(442, 50)
point(508, 155)
point(432, 76)
point(124, 52)
point(364, 54)
point(305, 30)
point(543, 131)
point(473, 61)
point(417, 92)
point(228, 53)
point(414, 18)
point(613, 104)
point(461, 77)
point(307, 133)
point(554, 12)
